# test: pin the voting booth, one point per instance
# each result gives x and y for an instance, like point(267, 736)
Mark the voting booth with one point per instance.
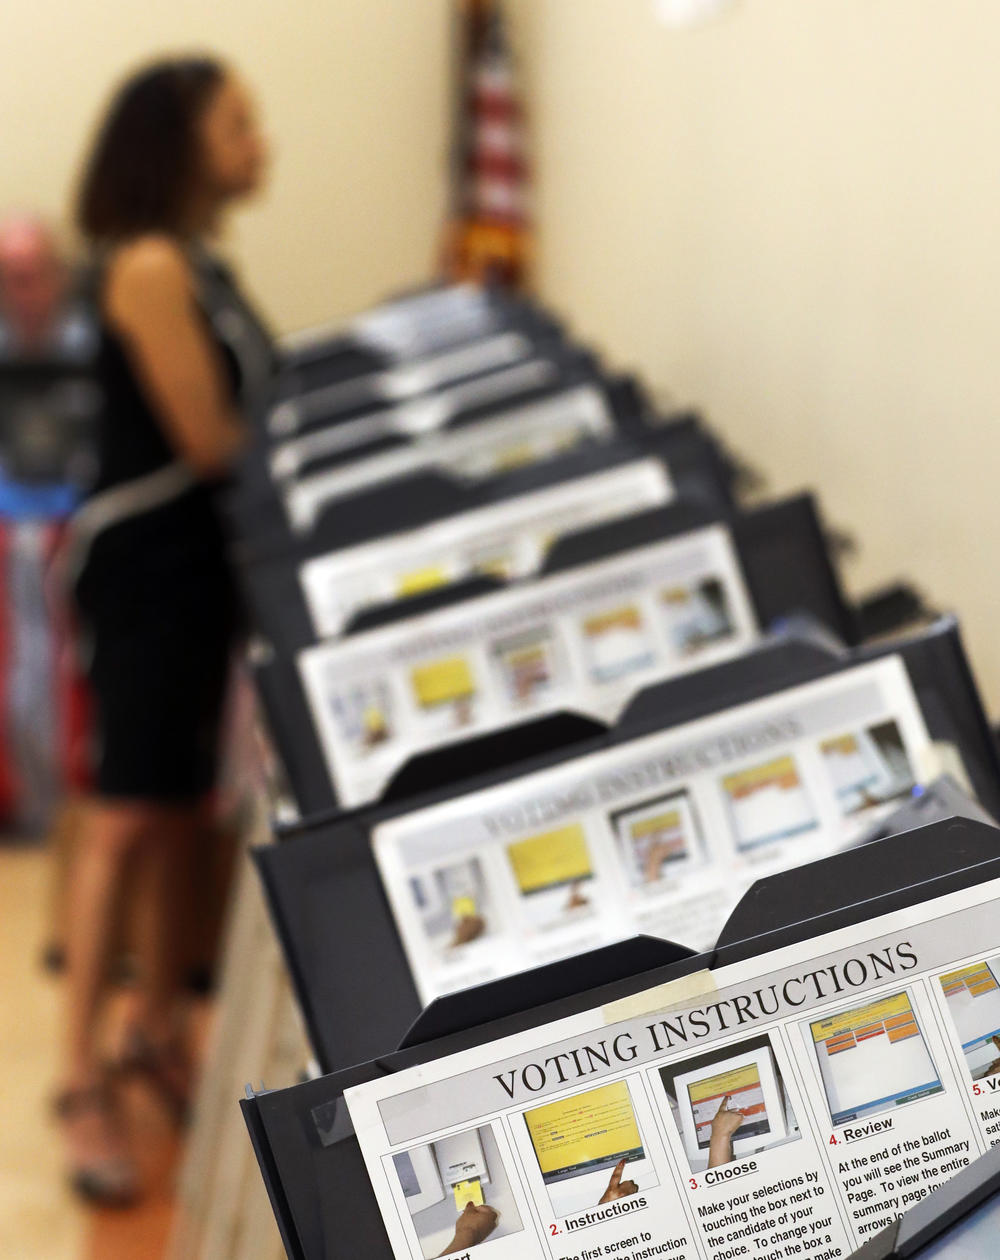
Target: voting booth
point(617, 606)
point(584, 1078)
point(524, 851)
point(511, 394)
point(390, 487)
point(635, 888)
point(288, 492)
point(401, 331)
point(432, 528)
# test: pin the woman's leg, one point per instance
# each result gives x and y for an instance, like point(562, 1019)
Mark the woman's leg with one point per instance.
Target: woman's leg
point(110, 835)
point(160, 889)
point(164, 903)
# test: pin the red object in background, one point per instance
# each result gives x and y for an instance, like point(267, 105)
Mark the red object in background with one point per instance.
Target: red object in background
point(488, 235)
point(45, 709)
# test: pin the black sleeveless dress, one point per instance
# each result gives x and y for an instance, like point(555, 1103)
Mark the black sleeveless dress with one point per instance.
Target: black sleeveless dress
point(159, 608)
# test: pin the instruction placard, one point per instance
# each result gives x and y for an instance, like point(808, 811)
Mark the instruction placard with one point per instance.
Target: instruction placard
point(523, 434)
point(586, 640)
point(801, 1102)
point(509, 540)
point(661, 835)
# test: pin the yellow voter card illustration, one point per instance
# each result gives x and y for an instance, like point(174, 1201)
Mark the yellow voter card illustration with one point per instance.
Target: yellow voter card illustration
point(468, 1192)
point(463, 907)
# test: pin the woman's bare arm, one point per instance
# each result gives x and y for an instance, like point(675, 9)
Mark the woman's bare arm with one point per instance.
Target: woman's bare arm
point(150, 304)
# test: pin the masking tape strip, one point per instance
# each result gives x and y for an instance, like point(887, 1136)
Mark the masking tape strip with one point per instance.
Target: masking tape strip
point(664, 997)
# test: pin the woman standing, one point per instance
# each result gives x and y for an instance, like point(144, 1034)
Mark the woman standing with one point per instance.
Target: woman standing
point(181, 360)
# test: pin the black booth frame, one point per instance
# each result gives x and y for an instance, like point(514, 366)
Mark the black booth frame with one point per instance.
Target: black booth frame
point(315, 1175)
point(322, 882)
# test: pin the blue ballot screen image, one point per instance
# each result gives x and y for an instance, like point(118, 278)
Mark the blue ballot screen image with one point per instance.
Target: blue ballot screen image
point(697, 615)
point(973, 997)
point(867, 767)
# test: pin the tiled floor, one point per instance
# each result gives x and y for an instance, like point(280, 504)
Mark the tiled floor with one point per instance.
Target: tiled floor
point(142, 1232)
point(39, 1220)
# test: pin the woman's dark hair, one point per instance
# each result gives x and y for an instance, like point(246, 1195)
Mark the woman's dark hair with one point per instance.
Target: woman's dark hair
point(143, 164)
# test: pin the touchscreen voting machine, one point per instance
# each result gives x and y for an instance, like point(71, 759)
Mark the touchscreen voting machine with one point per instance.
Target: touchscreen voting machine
point(585, 638)
point(657, 825)
point(321, 489)
point(313, 393)
point(315, 591)
point(328, 421)
point(543, 1098)
point(402, 332)
point(618, 605)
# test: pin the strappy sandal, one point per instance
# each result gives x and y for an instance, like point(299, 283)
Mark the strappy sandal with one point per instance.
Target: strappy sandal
point(166, 1067)
point(112, 1181)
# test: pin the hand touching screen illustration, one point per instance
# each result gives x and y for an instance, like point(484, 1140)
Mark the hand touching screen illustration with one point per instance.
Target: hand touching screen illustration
point(618, 1189)
point(724, 1126)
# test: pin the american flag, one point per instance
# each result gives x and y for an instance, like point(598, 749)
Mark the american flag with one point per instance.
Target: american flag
point(488, 236)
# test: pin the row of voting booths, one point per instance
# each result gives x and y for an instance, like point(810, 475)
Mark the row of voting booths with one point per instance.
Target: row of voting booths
point(633, 887)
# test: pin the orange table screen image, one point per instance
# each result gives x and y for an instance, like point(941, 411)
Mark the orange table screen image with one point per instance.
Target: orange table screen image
point(976, 980)
point(617, 642)
point(584, 1133)
point(890, 1017)
point(658, 838)
point(873, 1058)
point(665, 829)
point(768, 803)
point(743, 1087)
point(528, 666)
point(627, 618)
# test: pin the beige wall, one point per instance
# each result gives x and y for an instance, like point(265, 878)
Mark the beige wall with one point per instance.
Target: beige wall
point(792, 218)
point(354, 92)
